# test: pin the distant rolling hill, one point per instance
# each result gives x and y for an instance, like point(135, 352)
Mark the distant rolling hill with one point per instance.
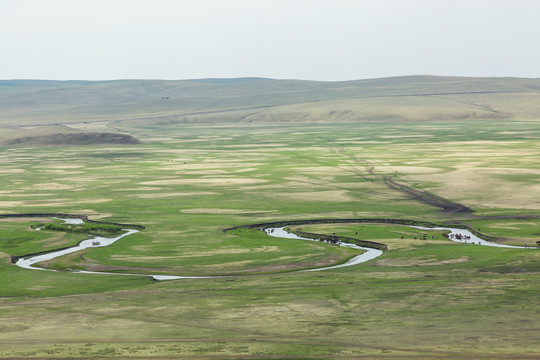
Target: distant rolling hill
point(44, 102)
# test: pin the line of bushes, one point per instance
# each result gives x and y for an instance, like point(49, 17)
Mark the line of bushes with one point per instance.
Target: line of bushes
point(336, 239)
point(86, 228)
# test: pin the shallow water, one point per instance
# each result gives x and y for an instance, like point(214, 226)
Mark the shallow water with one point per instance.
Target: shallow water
point(72, 221)
point(466, 237)
point(97, 241)
point(369, 253)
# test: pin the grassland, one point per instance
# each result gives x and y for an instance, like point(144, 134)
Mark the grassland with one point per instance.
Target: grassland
point(187, 181)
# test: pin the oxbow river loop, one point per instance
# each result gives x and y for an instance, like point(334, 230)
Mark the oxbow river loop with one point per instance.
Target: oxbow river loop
point(28, 262)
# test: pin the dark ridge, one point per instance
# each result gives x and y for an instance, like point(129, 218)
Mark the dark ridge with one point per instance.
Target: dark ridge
point(83, 138)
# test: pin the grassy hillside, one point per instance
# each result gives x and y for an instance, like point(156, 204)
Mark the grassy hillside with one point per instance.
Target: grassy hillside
point(27, 102)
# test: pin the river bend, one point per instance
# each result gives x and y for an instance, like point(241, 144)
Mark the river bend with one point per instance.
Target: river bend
point(459, 235)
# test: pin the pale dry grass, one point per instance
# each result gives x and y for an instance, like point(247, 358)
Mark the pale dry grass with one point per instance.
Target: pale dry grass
point(12, 171)
point(23, 219)
point(39, 287)
point(215, 181)
point(512, 225)
point(419, 262)
point(213, 165)
point(224, 211)
point(5, 258)
point(55, 241)
point(12, 203)
point(174, 194)
point(264, 315)
point(407, 243)
point(52, 187)
point(60, 202)
point(143, 188)
point(328, 196)
point(64, 166)
point(94, 215)
point(416, 169)
point(324, 170)
point(226, 266)
point(479, 187)
point(145, 259)
point(255, 146)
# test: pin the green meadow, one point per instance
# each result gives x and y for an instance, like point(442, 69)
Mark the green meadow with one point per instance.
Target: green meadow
point(188, 180)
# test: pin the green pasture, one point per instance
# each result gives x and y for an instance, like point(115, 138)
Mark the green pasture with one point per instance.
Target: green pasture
point(20, 238)
point(187, 182)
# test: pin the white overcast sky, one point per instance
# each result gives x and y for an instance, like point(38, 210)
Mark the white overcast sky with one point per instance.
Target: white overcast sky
point(294, 39)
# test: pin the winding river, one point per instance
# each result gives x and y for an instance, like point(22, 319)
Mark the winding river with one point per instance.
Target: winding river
point(459, 235)
point(467, 237)
point(369, 253)
point(97, 241)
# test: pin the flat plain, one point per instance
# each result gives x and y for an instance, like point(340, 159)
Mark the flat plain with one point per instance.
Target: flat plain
point(215, 155)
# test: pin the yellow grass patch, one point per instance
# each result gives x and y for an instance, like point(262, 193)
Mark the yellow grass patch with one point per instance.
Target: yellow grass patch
point(511, 225)
point(11, 203)
point(143, 188)
point(64, 202)
point(407, 243)
point(395, 136)
point(25, 219)
point(12, 171)
point(61, 172)
point(224, 211)
point(483, 187)
point(33, 195)
point(38, 287)
point(489, 143)
point(220, 251)
point(503, 227)
point(5, 258)
point(65, 166)
point(266, 248)
point(415, 169)
point(419, 262)
point(206, 172)
point(215, 181)
point(174, 194)
point(52, 187)
point(215, 164)
point(143, 259)
point(221, 266)
point(326, 170)
point(244, 170)
point(93, 215)
point(328, 196)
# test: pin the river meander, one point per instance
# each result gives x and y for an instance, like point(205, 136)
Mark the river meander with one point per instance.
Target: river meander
point(28, 262)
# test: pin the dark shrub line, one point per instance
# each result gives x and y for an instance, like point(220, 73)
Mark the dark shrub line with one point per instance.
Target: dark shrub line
point(85, 228)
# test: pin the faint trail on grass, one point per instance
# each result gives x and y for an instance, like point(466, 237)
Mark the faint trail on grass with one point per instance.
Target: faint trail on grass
point(425, 197)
